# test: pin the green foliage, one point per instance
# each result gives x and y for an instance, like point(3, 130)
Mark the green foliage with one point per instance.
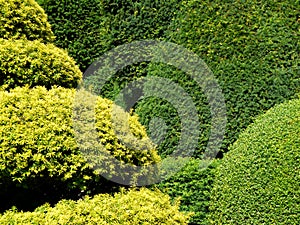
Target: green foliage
point(38, 140)
point(252, 48)
point(79, 27)
point(33, 63)
point(88, 28)
point(130, 208)
point(153, 107)
point(192, 185)
point(258, 180)
point(24, 19)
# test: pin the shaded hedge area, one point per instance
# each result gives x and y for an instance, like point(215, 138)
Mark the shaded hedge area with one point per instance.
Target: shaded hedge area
point(24, 19)
point(33, 63)
point(38, 145)
point(89, 28)
point(192, 185)
point(258, 180)
point(129, 208)
point(252, 47)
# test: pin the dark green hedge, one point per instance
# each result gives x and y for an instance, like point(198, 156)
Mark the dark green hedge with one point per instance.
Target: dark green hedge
point(88, 28)
point(37, 141)
point(149, 108)
point(33, 63)
point(24, 19)
point(252, 48)
point(192, 185)
point(129, 208)
point(258, 180)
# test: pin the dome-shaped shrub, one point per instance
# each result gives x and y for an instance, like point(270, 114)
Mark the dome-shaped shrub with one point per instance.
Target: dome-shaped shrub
point(38, 140)
point(24, 19)
point(258, 180)
point(34, 63)
point(130, 208)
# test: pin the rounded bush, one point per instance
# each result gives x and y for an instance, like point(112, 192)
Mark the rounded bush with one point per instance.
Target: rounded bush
point(258, 180)
point(88, 28)
point(129, 208)
point(24, 19)
point(192, 185)
point(33, 63)
point(38, 140)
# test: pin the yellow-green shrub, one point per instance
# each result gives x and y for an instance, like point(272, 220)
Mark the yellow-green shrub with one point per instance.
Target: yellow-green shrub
point(24, 19)
point(38, 140)
point(131, 208)
point(34, 63)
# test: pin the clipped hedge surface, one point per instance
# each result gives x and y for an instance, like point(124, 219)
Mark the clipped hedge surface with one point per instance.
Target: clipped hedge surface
point(192, 185)
point(38, 140)
point(130, 208)
point(33, 63)
point(252, 48)
point(258, 180)
point(88, 28)
point(24, 19)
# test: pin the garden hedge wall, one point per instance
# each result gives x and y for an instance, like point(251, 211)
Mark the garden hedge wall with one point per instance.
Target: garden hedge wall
point(21, 19)
point(258, 180)
point(129, 208)
point(252, 48)
point(33, 63)
point(89, 28)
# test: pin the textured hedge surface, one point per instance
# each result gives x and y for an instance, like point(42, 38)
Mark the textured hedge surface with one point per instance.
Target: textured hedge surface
point(252, 48)
point(130, 208)
point(88, 28)
point(33, 63)
point(24, 19)
point(258, 180)
point(192, 185)
point(38, 140)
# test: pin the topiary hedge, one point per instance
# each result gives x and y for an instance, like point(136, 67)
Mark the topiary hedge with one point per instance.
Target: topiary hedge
point(88, 28)
point(252, 49)
point(24, 19)
point(192, 184)
point(33, 63)
point(38, 140)
point(258, 180)
point(130, 208)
